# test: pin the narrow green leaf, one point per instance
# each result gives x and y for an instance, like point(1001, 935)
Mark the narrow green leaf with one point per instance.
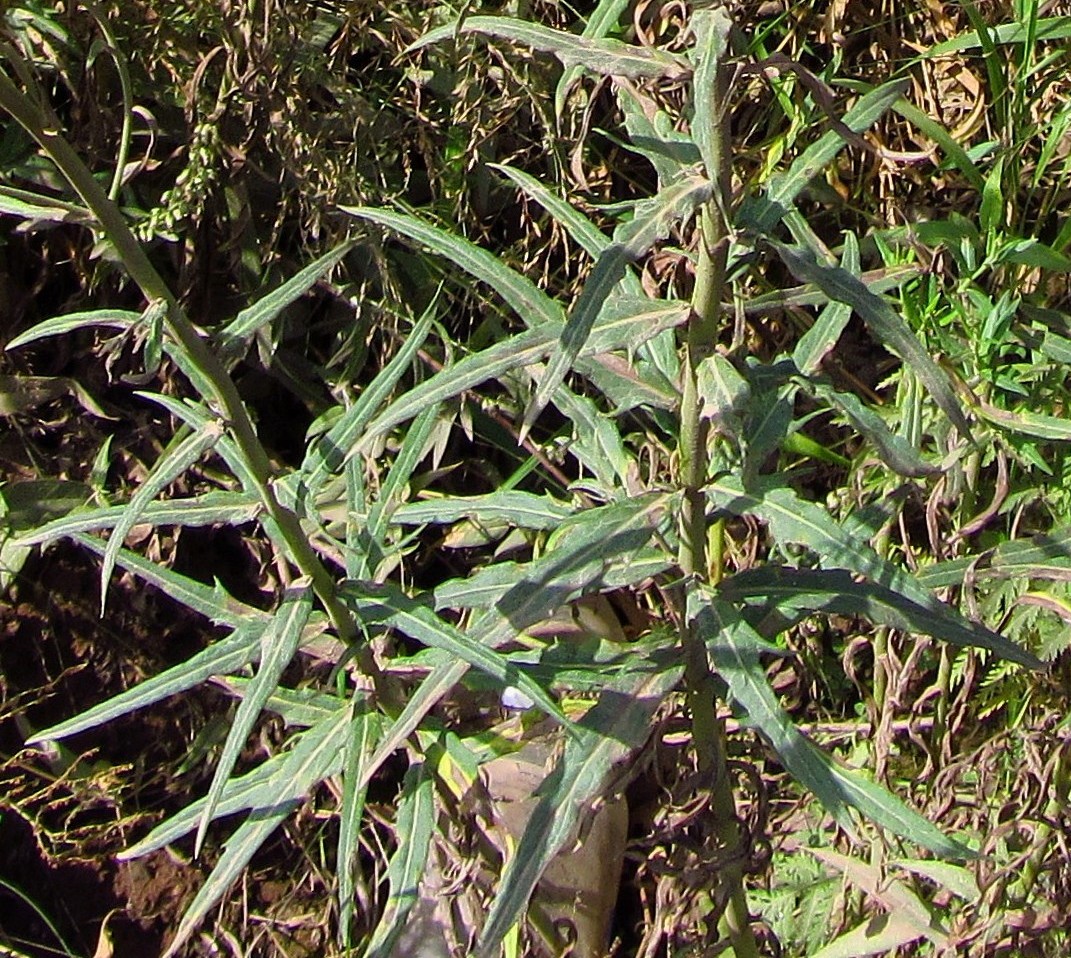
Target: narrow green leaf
point(602, 21)
point(600, 56)
point(881, 319)
point(793, 520)
point(524, 510)
point(933, 129)
point(611, 332)
point(893, 449)
point(838, 592)
point(385, 604)
point(172, 464)
point(764, 214)
point(278, 645)
point(364, 732)
point(723, 392)
point(121, 319)
point(711, 29)
point(879, 935)
point(313, 758)
point(1047, 29)
point(1028, 423)
point(213, 602)
point(268, 307)
point(590, 238)
point(522, 295)
point(734, 648)
point(38, 208)
point(486, 586)
point(617, 724)
point(212, 508)
point(220, 658)
point(816, 343)
point(327, 454)
point(413, 829)
point(653, 221)
point(393, 487)
point(590, 551)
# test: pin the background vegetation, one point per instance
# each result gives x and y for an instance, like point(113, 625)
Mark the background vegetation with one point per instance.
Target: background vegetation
point(693, 373)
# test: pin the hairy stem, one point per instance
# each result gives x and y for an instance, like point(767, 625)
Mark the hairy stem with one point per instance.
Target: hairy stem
point(708, 732)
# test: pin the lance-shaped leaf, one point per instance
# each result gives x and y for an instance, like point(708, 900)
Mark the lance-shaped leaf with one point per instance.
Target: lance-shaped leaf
point(893, 449)
point(521, 509)
point(884, 323)
point(315, 756)
point(374, 533)
point(278, 645)
point(387, 605)
point(328, 453)
point(590, 238)
point(823, 335)
point(220, 658)
point(763, 215)
point(364, 733)
point(734, 648)
point(109, 318)
point(172, 464)
point(836, 591)
point(793, 520)
point(413, 831)
point(212, 508)
point(522, 295)
point(602, 21)
point(618, 723)
point(268, 307)
point(1046, 556)
point(38, 208)
point(711, 29)
point(653, 221)
point(213, 602)
point(612, 331)
point(589, 552)
point(600, 56)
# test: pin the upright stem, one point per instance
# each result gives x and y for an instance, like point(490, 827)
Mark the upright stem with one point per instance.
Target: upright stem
point(708, 732)
point(210, 370)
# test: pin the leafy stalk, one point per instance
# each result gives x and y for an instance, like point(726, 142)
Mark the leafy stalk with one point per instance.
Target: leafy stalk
point(708, 734)
point(203, 366)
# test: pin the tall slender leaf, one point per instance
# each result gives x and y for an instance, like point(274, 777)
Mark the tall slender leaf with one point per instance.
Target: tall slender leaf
point(278, 645)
